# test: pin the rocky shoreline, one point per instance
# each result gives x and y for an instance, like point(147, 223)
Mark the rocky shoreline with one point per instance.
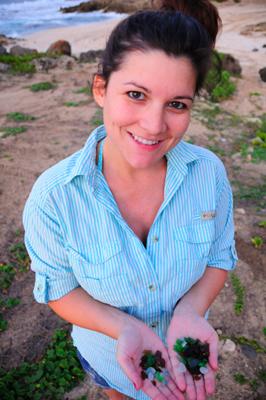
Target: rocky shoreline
point(117, 6)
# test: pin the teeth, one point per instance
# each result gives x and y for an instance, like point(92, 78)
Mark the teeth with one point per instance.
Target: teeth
point(145, 141)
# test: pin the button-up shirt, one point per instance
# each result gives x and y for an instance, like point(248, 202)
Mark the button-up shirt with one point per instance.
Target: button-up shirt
point(76, 237)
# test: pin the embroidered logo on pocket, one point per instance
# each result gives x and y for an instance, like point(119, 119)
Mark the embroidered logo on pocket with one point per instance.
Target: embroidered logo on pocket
point(208, 215)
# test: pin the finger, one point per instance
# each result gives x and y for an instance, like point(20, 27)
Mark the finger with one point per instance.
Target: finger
point(170, 390)
point(200, 389)
point(177, 370)
point(213, 358)
point(209, 381)
point(190, 387)
point(174, 389)
point(152, 391)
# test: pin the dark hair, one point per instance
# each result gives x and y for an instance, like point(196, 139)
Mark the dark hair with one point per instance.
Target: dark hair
point(168, 30)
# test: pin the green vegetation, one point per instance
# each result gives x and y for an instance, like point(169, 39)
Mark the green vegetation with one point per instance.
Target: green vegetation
point(71, 104)
point(20, 117)
point(217, 150)
point(59, 371)
point(85, 90)
point(257, 241)
point(20, 255)
point(218, 82)
point(240, 378)
point(264, 331)
point(3, 324)
point(239, 292)
point(20, 64)
point(254, 94)
point(7, 273)
point(37, 87)
point(97, 119)
point(11, 302)
point(259, 348)
point(252, 195)
point(11, 131)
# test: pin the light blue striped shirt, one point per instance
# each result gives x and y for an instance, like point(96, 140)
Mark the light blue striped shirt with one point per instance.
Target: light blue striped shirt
point(76, 236)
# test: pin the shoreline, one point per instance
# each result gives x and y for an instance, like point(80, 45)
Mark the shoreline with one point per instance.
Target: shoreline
point(90, 36)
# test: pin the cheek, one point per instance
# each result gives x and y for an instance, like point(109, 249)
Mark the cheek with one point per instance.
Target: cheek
point(118, 113)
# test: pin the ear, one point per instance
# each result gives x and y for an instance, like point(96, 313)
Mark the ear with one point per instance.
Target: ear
point(98, 89)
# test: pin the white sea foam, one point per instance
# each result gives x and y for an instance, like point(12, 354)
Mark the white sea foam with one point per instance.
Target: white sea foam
point(18, 17)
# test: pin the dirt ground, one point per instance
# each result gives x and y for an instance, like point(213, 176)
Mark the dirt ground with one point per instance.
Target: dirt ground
point(58, 131)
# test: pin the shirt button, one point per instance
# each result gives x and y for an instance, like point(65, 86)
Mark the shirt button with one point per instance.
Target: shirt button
point(152, 288)
point(40, 287)
point(155, 239)
point(154, 324)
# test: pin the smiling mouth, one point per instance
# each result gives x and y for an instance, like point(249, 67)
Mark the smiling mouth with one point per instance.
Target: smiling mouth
point(144, 141)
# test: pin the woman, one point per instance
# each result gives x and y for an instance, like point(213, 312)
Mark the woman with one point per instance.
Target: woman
point(131, 237)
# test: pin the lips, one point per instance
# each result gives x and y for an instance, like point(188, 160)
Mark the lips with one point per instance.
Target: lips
point(142, 140)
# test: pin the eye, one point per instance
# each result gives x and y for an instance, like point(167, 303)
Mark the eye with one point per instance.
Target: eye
point(135, 95)
point(178, 105)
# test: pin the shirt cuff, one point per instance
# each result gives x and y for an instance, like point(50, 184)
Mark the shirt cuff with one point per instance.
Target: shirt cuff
point(46, 289)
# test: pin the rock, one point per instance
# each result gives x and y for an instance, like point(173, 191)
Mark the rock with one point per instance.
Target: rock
point(228, 346)
point(21, 51)
point(219, 331)
point(118, 6)
point(60, 47)
point(248, 351)
point(255, 49)
point(6, 40)
point(240, 211)
point(90, 56)
point(4, 67)
point(65, 62)
point(2, 50)
point(264, 46)
point(231, 64)
point(262, 73)
point(44, 64)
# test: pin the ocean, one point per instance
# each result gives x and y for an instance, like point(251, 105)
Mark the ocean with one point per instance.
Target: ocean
point(19, 18)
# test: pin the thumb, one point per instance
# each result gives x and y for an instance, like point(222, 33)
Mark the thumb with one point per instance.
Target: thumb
point(128, 366)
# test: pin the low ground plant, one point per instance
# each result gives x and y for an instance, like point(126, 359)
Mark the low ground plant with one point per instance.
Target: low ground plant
point(20, 117)
point(40, 86)
point(11, 131)
point(239, 292)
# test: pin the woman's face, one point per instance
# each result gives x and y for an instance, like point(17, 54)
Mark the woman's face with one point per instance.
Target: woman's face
point(146, 106)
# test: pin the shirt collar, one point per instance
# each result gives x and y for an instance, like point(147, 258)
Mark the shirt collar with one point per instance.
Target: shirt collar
point(85, 165)
point(86, 162)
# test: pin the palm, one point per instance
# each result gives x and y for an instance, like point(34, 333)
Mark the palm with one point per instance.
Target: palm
point(131, 344)
point(192, 325)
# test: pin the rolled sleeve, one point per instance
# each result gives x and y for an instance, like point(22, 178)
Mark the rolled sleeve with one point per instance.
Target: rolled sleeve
point(44, 241)
point(223, 253)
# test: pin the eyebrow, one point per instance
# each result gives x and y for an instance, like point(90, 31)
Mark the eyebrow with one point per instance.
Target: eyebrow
point(148, 91)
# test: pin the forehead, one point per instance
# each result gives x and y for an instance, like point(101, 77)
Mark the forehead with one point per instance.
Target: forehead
point(156, 71)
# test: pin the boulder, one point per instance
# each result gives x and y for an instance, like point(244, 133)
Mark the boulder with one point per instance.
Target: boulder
point(118, 6)
point(21, 51)
point(44, 64)
point(231, 64)
point(4, 67)
point(262, 73)
point(2, 50)
point(6, 40)
point(90, 56)
point(65, 62)
point(60, 47)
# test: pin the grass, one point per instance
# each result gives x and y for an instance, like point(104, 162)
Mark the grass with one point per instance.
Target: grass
point(41, 86)
point(97, 119)
point(252, 195)
point(71, 104)
point(57, 372)
point(12, 131)
point(85, 90)
point(20, 117)
point(7, 274)
point(20, 256)
point(257, 242)
point(239, 292)
point(240, 378)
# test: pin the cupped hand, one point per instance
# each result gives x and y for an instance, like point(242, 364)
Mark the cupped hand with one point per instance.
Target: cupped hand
point(133, 340)
point(187, 323)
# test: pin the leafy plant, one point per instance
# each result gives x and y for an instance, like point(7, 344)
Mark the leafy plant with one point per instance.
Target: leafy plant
point(37, 87)
point(11, 302)
point(7, 273)
point(20, 117)
point(12, 131)
point(224, 89)
point(97, 119)
point(59, 371)
point(20, 255)
point(239, 291)
point(240, 378)
point(257, 241)
point(253, 195)
point(85, 90)
point(3, 326)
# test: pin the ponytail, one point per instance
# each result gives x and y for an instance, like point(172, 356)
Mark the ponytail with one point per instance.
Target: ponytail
point(202, 10)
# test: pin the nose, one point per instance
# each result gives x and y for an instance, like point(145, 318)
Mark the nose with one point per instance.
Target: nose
point(153, 119)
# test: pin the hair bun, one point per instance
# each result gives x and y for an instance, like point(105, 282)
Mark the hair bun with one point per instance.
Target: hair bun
point(202, 10)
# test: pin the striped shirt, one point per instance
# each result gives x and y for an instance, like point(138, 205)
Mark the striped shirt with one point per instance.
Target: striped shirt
point(76, 237)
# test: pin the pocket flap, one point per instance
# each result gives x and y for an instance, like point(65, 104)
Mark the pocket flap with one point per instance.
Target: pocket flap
point(199, 233)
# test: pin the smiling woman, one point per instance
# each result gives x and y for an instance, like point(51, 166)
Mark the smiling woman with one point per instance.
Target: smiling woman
point(131, 237)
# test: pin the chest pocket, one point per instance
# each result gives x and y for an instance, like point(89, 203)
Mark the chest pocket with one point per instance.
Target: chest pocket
point(103, 276)
point(194, 241)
